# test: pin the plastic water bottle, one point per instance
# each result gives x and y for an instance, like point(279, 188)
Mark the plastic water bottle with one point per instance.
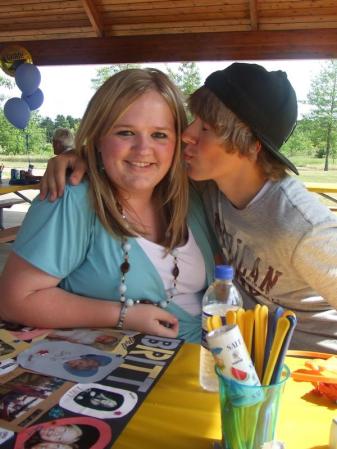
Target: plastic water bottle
point(221, 296)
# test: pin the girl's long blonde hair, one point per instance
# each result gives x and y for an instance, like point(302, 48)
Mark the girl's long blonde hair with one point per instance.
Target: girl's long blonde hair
point(105, 107)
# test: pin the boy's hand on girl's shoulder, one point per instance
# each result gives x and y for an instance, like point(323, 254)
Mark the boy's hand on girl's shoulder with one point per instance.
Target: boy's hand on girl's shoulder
point(67, 166)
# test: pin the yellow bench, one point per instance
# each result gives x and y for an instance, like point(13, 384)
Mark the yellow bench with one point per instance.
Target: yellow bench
point(325, 190)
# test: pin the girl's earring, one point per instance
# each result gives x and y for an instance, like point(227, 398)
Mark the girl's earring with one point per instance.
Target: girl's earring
point(100, 164)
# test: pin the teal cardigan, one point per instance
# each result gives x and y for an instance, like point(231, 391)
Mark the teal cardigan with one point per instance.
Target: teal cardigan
point(66, 239)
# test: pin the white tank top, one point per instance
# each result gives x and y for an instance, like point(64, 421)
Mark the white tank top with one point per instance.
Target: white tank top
point(191, 282)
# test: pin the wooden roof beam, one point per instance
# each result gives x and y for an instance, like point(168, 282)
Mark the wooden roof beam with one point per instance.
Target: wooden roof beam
point(249, 45)
point(94, 17)
point(253, 12)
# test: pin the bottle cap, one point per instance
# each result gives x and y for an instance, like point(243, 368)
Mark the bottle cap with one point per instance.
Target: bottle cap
point(225, 272)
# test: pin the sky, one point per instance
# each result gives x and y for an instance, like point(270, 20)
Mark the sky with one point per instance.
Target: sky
point(67, 89)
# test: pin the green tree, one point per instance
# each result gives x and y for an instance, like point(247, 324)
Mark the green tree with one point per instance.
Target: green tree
point(48, 125)
point(61, 121)
point(35, 136)
point(104, 73)
point(7, 84)
point(73, 122)
point(187, 77)
point(15, 141)
point(322, 97)
point(300, 141)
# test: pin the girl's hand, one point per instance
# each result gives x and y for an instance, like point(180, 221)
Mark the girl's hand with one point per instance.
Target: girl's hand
point(149, 319)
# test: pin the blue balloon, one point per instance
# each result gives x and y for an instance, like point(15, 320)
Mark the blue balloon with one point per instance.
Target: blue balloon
point(17, 112)
point(35, 100)
point(27, 78)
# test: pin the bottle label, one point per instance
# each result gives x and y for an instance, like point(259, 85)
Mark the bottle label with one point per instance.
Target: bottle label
point(232, 357)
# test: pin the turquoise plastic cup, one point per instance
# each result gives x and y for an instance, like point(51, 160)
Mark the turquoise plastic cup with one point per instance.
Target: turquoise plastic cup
point(249, 413)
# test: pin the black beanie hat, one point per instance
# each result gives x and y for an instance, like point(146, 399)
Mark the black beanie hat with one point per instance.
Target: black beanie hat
point(265, 101)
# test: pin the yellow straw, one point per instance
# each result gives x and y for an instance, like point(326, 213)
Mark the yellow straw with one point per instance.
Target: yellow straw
point(231, 317)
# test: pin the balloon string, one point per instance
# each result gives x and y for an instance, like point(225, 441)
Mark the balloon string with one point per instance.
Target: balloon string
point(27, 147)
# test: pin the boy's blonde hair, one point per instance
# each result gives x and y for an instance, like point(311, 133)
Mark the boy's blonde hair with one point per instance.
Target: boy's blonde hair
point(234, 133)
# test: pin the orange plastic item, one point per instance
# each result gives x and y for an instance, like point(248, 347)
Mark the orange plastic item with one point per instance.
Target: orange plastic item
point(321, 372)
point(327, 390)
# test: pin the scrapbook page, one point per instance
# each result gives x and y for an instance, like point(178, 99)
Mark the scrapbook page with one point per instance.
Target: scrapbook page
point(45, 402)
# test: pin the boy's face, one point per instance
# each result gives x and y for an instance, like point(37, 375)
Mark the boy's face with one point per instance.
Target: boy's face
point(205, 154)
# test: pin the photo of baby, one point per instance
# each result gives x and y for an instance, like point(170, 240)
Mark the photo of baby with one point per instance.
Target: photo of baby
point(66, 433)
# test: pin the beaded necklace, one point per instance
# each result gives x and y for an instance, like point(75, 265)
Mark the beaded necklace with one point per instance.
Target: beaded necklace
point(125, 268)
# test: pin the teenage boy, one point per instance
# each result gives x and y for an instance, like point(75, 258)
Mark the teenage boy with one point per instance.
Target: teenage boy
point(280, 238)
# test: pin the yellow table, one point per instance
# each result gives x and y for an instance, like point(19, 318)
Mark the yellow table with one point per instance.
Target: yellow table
point(178, 414)
point(5, 187)
point(323, 189)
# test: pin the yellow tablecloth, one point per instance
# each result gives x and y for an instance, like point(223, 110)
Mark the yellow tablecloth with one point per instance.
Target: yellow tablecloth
point(178, 414)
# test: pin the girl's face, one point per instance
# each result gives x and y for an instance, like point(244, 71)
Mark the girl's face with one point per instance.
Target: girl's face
point(61, 434)
point(205, 154)
point(138, 151)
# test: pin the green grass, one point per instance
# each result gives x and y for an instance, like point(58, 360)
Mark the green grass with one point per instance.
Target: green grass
point(22, 162)
point(310, 169)
point(317, 175)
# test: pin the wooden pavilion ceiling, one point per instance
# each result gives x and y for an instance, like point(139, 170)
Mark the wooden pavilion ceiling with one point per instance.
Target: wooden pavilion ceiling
point(116, 31)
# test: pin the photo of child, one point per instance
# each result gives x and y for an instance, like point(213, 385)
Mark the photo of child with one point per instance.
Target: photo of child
point(70, 361)
point(86, 365)
point(100, 401)
point(62, 435)
point(24, 392)
point(65, 433)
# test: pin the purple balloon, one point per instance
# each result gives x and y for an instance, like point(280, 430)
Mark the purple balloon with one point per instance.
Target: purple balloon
point(17, 112)
point(35, 100)
point(27, 78)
